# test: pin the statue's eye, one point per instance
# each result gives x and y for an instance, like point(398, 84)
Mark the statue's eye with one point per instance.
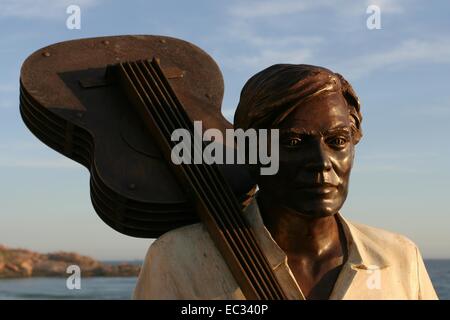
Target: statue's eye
point(293, 142)
point(338, 141)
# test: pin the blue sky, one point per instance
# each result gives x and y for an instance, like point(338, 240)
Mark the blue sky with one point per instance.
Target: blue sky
point(401, 178)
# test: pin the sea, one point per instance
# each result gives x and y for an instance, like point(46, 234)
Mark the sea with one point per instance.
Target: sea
point(100, 288)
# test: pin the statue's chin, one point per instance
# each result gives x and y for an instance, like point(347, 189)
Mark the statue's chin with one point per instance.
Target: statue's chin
point(315, 211)
point(317, 214)
point(315, 207)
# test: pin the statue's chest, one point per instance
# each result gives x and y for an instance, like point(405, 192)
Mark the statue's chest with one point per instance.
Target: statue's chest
point(315, 281)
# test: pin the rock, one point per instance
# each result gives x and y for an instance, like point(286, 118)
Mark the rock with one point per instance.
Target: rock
point(18, 263)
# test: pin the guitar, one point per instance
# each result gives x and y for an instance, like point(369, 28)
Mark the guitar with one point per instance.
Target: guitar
point(111, 104)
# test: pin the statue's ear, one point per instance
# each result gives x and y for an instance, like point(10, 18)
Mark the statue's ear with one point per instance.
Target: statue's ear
point(356, 132)
point(355, 108)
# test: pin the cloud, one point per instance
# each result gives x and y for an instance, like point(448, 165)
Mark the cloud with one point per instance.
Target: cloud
point(410, 51)
point(259, 50)
point(265, 9)
point(388, 6)
point(255, 34)
point(269, 8)
point(268, 57)
point(249, 34)
point(280, 41)
point(275, 41)
point(41, 9)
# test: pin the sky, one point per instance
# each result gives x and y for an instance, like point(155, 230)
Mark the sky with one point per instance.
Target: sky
point(401, 177)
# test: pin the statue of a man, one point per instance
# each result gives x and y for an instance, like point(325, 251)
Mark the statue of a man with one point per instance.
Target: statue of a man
point(314, 251)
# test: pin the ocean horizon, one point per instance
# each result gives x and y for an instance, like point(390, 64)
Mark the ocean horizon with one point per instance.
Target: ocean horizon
point(121, 288)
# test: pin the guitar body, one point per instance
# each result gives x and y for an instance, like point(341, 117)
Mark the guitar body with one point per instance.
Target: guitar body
point(69, 103)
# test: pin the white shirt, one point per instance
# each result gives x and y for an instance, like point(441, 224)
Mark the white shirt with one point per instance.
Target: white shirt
point(185, 264)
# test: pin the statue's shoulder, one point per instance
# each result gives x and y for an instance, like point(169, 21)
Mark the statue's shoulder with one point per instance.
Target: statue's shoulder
point(387, 242)
point(183, 235)
point(383, 235)
point(187, 243)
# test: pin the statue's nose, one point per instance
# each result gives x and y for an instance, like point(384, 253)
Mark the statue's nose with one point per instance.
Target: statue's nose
point(318, 159)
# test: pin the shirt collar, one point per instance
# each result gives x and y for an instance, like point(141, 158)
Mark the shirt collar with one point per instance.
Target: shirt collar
point(363, 253)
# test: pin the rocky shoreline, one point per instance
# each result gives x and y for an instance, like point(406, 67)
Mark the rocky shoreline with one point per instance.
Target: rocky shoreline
point(22, 263)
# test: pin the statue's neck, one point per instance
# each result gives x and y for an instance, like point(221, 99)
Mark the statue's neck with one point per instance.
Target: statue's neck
point(298, 234)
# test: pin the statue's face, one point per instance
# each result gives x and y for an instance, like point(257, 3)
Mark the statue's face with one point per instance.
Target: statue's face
point(316, 157)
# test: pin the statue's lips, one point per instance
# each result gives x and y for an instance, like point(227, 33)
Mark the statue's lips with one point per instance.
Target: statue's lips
point(317, 189)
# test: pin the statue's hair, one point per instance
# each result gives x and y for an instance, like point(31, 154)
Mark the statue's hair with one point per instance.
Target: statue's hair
point(272, 94)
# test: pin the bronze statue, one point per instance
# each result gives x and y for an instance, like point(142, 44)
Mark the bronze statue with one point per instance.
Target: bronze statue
point(113, 110)
point(319, 118)
point(314, 252)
